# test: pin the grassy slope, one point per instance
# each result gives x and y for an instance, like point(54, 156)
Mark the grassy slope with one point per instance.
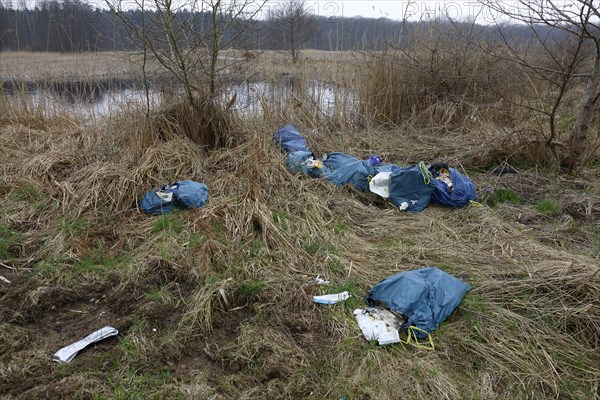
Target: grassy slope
point(216, 302)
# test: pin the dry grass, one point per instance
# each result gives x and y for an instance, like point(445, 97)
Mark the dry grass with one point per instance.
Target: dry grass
point(27, 66)
point(437, 85)
point(216, 302)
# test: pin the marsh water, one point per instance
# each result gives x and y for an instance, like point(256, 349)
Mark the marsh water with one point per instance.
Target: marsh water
point(94, 98)
point(107, 97)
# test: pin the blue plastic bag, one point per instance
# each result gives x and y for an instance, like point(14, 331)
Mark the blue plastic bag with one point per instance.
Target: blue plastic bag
point(410, 188)
point(192, 194)
point(291, 140)
point(296, 161)
point(155, 202)
point(459, 194)
point(178, 195)
point(341, 169)
point(386, 168)
point(426, 296)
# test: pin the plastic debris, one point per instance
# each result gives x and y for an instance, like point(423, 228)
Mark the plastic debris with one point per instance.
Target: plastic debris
point(321, 281)
point(290, 140)
point(501, 170)
point(178, 195)
point(343, 169)
point(380, 184)
point(410, 188)
point(66, 354)
point(378, 324)
point(314, 163)
point(452, 189)
point(411, 185)
point(331, 298)
point(426, 296)
point(375, 160)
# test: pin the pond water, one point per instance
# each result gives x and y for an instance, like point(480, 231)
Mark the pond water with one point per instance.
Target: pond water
point(88, 99)
point(254, 97)
point(104, 98)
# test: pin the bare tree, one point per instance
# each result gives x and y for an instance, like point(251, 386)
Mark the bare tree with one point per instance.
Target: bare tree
point(566, 58)
point(291, 25)
point(186, 37)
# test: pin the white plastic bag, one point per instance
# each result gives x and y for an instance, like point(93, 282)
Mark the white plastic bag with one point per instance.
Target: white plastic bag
point(380, 325)
point(380, 184)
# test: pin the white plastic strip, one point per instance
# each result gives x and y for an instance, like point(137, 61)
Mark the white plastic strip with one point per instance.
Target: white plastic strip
point(331, 298)
point(66, 354)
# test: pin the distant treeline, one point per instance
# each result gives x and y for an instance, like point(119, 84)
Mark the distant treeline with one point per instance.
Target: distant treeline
point(75, 26)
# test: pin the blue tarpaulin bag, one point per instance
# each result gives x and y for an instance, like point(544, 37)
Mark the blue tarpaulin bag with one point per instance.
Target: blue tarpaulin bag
point(290, 140)
point(192, 194)
point(426, 296)
point(178, 195)
point(386, 168)
point(410, 188)
point(296, 161)
point(341, 169)
point(459, 194)
point(156, 202)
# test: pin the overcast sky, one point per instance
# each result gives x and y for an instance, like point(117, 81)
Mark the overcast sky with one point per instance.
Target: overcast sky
point(413, 10)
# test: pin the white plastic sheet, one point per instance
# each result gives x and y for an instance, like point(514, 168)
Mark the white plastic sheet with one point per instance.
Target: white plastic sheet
point(378, 324)
point(331, 298)
point(66, 354)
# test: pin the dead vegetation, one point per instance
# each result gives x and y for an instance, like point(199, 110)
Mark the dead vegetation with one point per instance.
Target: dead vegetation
point(216, 302)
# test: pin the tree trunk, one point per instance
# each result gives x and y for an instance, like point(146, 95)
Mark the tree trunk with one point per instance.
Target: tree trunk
point(577, 140)
point(292, 37)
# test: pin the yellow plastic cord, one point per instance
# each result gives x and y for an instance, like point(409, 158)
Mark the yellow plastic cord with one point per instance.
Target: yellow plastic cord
point(475, 203)
point(425, 173)
point(413, 341)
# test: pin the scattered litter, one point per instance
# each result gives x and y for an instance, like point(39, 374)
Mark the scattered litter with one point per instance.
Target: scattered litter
point(314, 163)
point(375, 160)
point(3, 279)
point(343, 169)
point(378, 324)
point(290, 140)
point(299, 158)
point(66, 354)
point(503, 169)
point(441, 172)
point(452, 189)
point(380, 184)
point(409, 188)
point(321, 281)
point(426, 296)
point(178, 195)
point(331, 298)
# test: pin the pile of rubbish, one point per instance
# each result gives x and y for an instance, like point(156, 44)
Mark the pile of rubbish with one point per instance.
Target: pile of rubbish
point(410, 188)
point(415, 302)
